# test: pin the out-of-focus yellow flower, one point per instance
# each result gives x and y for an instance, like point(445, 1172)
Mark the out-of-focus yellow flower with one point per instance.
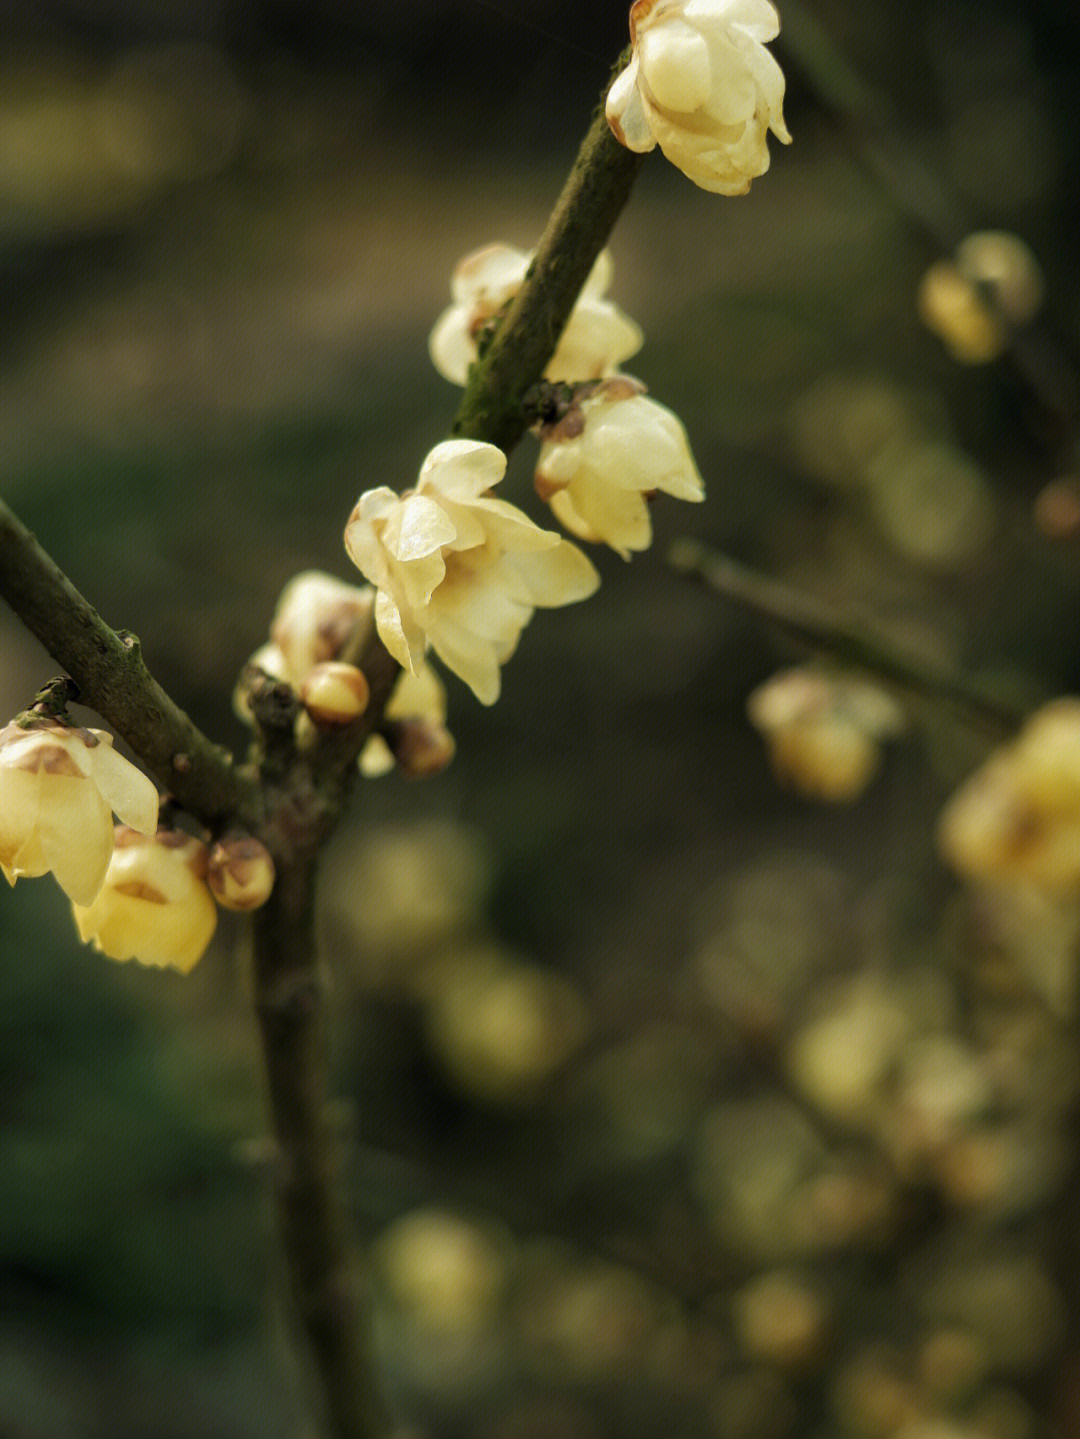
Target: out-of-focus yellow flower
point(702, 86)
point(154, 905)
point(457, 569)
point(824, 731)
point(609, 453)
point(951, 304)
point(598, 337)
point(59, 787)
point(1018, 817)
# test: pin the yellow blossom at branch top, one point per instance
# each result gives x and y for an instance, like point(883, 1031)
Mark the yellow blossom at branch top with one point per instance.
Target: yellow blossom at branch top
point(154, 905)
point(457, 569)
point(702, 86)
point(1017, 818)
point(598, 337)
point(609, 452)
point(59, 787)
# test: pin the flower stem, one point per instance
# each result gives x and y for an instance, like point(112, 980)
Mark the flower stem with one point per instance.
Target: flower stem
point(326, 1280)
point(594, 194)
point(113, 679)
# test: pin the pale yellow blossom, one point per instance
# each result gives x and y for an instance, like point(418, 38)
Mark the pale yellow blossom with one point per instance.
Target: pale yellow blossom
point(457, 569)
point(154, 905)
point(606, 457)
point(598, 337)
point(59, 787)
point(702, 86)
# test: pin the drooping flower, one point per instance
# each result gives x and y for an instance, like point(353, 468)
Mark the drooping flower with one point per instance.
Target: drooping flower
point(154, 905)
point(702, 86)
point(598, 337)
point(601, 461)
point(457, 569)
point(59, 787)
point(824, 731)
point(1017, 818)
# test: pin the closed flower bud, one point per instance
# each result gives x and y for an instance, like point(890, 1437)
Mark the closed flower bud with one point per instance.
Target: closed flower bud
point(240, 872)
point(421, 748)
point(420, 697)
point(702, 86)
point(601, 462)
point(154, 905)
point(334, 693)
point(598, 337)
point(457, 569)
point(59, 787)
point(1004, 263)
point(315, 615)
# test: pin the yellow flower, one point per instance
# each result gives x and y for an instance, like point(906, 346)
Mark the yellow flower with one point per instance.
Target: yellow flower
point(824, 731)
point(457, 569)
point(702, 86)
point(59, 787)
point(154, 905)
point(1017, 818)
point(596, 340)
point(612, 450)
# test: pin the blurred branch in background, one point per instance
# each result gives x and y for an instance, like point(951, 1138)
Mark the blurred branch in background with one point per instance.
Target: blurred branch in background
point(829, 632)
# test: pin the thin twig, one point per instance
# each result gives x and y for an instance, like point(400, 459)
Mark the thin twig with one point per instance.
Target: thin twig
point(594, 194)
point(820, 628)
point(113, 680)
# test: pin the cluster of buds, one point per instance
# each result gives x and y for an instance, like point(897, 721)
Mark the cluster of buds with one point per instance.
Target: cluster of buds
point(824, 731)
point(315, 618)
point(702, 86)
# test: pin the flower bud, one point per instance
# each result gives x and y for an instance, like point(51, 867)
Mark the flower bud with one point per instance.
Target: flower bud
point(421, 747)
point(240, 872)
point(421, 696)
point(334, 693)
point(154, 905)
point(315, 615)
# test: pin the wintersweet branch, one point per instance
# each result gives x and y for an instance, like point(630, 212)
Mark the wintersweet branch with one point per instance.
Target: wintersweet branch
point(594, 194)
point(113, 679)
point(817, 626)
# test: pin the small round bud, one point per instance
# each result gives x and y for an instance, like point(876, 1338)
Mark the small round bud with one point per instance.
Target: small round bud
point(241, 872)
point(421, 747)
point(334, 693)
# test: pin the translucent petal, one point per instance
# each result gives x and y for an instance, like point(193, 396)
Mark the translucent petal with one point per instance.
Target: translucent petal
point(462, 469)
point(417, 528)
point(75, 831)
point(626, 112)
point(560, 576)
point(132, 794)
point(471, 659)
point(451, 346)
point(674, 61)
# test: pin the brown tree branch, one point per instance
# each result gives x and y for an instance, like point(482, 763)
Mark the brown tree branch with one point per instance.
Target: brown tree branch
point(113, 680)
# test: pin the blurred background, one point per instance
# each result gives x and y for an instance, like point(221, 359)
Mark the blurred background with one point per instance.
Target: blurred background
point(678, 1102)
